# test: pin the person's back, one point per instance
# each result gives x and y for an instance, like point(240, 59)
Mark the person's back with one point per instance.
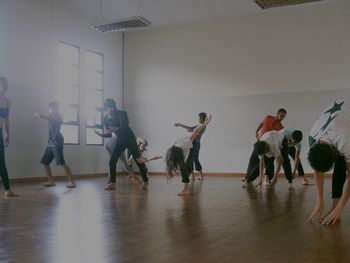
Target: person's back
point(274, 139)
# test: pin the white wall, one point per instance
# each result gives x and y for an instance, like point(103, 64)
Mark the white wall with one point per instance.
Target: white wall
point(30, 34)
point(239, 70)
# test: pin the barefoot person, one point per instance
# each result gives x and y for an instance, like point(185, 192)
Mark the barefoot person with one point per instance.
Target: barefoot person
point(112, 139)
point(54, 149)
point(5, 106)
point(179, 157)
point(329, 142)
point(272, 145)
point(142, 144)
point(269, 123)
point(125, 139)
point(196, 143)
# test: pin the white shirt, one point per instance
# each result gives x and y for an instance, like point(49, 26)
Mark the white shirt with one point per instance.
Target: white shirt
point(334, 127)
point(274, 140)
point(185, 144)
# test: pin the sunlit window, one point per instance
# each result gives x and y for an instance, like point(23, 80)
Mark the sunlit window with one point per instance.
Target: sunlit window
point(67, 91)
point(94, 97)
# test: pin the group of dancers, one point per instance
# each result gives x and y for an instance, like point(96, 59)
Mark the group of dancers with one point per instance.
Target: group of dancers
point(329, 145)
point(181, 157)
point(329, 142)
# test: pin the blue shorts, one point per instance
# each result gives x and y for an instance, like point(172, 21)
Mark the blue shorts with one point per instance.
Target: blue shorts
point(53, 153)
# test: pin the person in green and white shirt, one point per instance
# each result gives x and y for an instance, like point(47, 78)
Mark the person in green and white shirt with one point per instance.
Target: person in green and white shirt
point(329, 142)
point(294, 152)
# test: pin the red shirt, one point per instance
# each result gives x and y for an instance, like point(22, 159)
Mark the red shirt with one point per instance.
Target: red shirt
point(270, 123)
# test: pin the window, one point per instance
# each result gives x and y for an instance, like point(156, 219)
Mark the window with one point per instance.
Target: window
point(94, 97)
point(67, 91)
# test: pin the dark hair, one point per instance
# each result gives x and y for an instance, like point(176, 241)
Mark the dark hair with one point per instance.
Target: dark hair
point(143, 141)
point(297, 135)
point(54, 105)
point(174, 159)
point(281, 110)
point(109, 103)
point(260, 147)
point(321, 157)
point(202, 115)
point(4, 83)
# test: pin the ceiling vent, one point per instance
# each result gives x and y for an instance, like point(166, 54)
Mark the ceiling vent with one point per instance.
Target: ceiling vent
point(264, 4)
point(123, 25)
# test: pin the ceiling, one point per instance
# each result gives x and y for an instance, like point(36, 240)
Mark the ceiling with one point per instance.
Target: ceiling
point(168, 12)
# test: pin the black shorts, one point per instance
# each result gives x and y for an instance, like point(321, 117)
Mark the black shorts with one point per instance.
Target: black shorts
point(53, 153)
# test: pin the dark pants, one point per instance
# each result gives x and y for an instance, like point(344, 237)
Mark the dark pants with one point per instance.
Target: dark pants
point(253, 167)
point(186, 170)
point(287, 168)
point(3, 169)
point(53, 153)
point(292, 152)
point(339, 176)
point(126, 140)
point(197, 165)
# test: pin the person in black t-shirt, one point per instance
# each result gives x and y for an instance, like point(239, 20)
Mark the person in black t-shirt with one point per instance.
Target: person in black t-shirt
point(117, 122)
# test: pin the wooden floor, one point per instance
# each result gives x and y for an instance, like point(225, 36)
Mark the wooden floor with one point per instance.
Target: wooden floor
point(218, 222)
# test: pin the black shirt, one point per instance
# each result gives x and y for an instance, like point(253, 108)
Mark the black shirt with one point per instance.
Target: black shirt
point(117, 119)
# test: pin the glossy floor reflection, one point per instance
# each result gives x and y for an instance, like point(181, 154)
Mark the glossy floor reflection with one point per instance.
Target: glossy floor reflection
point(219, 222)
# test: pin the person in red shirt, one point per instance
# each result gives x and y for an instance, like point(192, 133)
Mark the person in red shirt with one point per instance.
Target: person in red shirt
point(271, 123)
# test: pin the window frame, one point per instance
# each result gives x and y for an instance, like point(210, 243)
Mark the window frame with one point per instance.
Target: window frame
point(78, 86)
point(98, 126)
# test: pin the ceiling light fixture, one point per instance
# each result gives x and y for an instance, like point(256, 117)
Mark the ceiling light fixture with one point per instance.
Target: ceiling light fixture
point(264, 4)
point(135, 22)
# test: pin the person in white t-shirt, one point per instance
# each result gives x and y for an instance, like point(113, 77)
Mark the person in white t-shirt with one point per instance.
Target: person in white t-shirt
point(329, 142)
point(179, 157)
point(272, 145)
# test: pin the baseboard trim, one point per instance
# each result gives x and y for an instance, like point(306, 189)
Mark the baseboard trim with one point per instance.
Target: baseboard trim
point(96, 175)
point(233, 174)
point(58, 177)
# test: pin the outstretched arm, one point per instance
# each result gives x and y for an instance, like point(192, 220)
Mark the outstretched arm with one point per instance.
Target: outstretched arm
point(279, 161)
point(296, 162)
point(104, 135)
point(338, 210)
point(188, 128)
point(7, 124)
point(39, 116)
point(154, 157)
point(261, 171)
point(319, 181)
point(200, 127)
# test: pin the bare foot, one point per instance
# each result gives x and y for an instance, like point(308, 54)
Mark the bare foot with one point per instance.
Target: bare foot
point(9, 193)
point(144, 186)
point(136, 179)
point(245, 184)
point(110, 187)
point(306, 182)
point(49, 184)
point(71, 185)
point(290, 187)
point(243, 179)
point(184, 192)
